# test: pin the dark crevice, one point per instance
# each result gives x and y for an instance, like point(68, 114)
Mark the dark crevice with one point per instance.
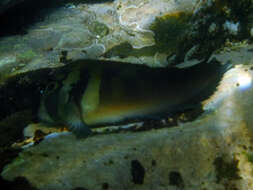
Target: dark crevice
point(176, 179)
point(79, 188)
point(226, 170)
point(17, 19)
point(19, 183)
point(105, 186)
point(138, 172)
point(23, 92)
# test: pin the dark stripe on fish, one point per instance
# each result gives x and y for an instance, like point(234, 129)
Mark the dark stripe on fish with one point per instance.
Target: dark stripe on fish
point(148, 92)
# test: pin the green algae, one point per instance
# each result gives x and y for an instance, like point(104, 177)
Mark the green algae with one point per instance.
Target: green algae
point(226, 170)
point(125, 49)
point(26, 56)
point(98, 28)
point(122, 50)
point(231, 11)
point(169, 29)
point(217, 13)
point(249, 156)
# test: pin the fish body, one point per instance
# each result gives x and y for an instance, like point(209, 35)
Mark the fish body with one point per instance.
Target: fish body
point(96, 94)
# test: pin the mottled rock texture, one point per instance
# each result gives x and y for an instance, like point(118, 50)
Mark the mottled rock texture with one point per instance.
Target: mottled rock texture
point(212, 152)
point(157, 33)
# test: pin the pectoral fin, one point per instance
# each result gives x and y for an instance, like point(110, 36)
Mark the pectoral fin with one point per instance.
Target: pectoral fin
point(74, 121)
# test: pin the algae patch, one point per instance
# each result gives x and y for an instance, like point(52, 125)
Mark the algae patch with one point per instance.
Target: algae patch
point(98, 29)
point(250, 157)
point(226, 170)
point(169, 30)
point(26, 57)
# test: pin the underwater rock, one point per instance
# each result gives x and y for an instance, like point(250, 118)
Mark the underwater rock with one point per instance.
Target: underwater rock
point(157, 33)
point(214, 151)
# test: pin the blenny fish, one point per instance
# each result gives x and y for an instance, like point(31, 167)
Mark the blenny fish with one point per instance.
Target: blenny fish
point(97, 93)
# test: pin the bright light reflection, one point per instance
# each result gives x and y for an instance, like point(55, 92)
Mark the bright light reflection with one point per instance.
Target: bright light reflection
point(244, 81)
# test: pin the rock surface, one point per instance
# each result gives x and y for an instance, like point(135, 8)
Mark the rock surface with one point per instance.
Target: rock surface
point(213, 152)
point(157, 33)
